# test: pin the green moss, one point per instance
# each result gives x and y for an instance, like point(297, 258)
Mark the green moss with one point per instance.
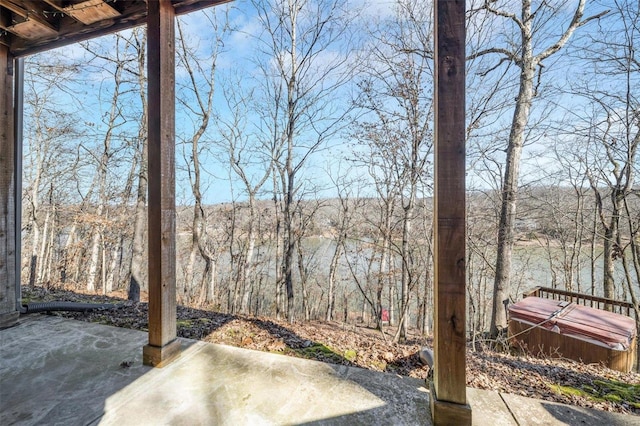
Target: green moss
point(614, 391)
point(604, 390)
point(379, 365)
point(613, 398)
point(350, 355)
point(317, 351)
point(568, 390)
point(184, 323)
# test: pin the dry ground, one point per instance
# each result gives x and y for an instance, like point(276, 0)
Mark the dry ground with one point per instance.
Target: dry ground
point(557, 380)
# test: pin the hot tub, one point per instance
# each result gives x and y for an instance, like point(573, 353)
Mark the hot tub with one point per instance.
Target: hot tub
point(566, 330)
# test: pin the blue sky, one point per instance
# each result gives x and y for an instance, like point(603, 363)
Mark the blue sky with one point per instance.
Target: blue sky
point(237, 67)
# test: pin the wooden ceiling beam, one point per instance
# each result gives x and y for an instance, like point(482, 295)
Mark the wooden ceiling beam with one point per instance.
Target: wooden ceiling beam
point(55, 23)
point(15, 8)
point(57, 4)
point(91, 11)
point(33, 27)
point(75, 31)
point(30, 10)
point(188, 6)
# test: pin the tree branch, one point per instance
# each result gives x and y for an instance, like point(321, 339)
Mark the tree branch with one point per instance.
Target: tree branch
point(576, 22)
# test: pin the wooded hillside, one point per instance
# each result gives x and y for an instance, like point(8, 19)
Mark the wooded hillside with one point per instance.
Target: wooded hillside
point(315, 124)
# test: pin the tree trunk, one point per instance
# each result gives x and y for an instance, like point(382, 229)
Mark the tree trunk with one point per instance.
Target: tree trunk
point(506, 238)
point(49, 250)
point(33, 261)
point(406, 260)
point(247, 267)
point(333, 269)
point(94, 260)
point(528, 63)
point(609, 254)
point(592, 246)
point(137, 267)
point(42, 254)
point(304, 275)
point(112, 279)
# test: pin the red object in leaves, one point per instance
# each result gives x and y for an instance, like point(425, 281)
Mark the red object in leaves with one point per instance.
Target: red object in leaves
point(384, 316)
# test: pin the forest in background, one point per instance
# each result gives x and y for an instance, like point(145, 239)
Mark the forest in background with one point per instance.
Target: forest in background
point(316, 121)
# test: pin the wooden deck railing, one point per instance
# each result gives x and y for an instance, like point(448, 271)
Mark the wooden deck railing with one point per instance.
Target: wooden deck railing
point(617, 306)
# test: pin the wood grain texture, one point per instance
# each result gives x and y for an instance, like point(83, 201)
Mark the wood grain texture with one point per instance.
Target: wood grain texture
point(91, 11)
point(77, 22)
point(542, 342)
point(450, 235)
point(448, 413)
point(8, 312)
point(162, 212)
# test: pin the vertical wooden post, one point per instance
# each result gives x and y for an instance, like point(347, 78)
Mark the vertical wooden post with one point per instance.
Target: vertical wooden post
point(18, 134)
point(448, 392)
point(163, 345)
point(8, 312)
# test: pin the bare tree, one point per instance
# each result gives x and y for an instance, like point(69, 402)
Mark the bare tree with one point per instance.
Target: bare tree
point(349, 203)
point(196, 96)
point(612, 130)
point(113, 119)
point(396, 93)
point(252, 163)
point(300, 88)
point(49, 158)
point(528, 24)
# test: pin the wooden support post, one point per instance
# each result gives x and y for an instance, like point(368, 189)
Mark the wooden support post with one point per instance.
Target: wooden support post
point(8, 312)
point(163, 345)
point(448, 392)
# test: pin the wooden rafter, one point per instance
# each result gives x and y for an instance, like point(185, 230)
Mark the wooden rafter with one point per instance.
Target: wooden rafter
point(31, 26)
point(91, 11)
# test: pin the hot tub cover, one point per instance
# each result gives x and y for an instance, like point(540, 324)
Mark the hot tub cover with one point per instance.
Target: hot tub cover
point(582, 322)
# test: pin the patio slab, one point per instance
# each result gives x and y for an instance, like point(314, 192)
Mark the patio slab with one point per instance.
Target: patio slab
point(60, 371)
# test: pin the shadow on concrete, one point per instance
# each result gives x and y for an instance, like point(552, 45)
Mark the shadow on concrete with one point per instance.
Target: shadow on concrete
point(401, 397)
point(54, 372)
point(578, 416)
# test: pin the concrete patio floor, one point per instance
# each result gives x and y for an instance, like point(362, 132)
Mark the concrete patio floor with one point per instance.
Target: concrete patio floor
point(65, 372)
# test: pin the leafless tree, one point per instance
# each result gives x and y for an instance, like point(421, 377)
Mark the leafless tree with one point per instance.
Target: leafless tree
point(137, 270)
point(252, 163)
point(611, 129)
point(196, 97)
point(524, 48)
point(396, 95)
point(300, 83)
point(49, 158)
